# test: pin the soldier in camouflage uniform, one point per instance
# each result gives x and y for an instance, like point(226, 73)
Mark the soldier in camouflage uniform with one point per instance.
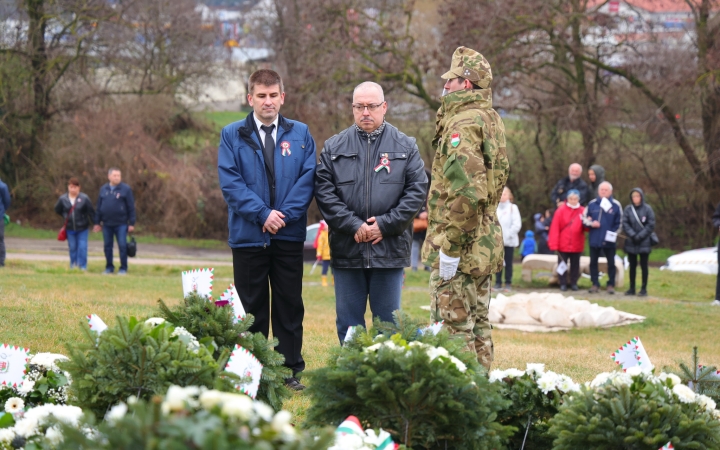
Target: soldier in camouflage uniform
point(464, 243)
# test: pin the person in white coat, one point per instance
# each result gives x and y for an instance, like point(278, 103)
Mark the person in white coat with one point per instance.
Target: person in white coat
point(511, 223)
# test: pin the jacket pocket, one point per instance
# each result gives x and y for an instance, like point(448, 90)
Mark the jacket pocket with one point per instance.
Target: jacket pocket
point(345, 167)
point(248, 166)
point(395, 173)
point(290, 160)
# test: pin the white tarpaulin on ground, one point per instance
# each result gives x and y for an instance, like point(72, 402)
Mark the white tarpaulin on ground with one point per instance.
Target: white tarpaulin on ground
point(703, 260)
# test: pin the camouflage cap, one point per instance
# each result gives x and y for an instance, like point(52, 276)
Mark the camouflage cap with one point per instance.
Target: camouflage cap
point(471, 65)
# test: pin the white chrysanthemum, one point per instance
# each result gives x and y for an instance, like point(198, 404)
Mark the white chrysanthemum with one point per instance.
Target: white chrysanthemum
point(210, 399)
point(116, 413)
point(566, 384)
point(14, 405)
point(514, 373)
point(6, 435)
point(634, 371)
point(264, 411)
point(348, 442)
point(372, 348)
point(132, 400)
point(669, 376)
point(34, 417)
point(281, 424)
point(155, 321)
point(684, 393)
point(26, 387)
point(534, 368)
point(547, 382)
point(54, 435)
point(600, 379)
point(47, 360)
point(238, 406)
point(184, 335)
point(715, 413)
point(177, 397)
point(459, 364)
point(705, 402)
point(496, 375)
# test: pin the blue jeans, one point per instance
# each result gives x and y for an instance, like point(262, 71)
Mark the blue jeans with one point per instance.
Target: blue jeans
point(120, 233)
point(352, 288)
point(2, 242)
point(78, 246)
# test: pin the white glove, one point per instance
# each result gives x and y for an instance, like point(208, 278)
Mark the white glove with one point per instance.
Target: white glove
point(448, 266)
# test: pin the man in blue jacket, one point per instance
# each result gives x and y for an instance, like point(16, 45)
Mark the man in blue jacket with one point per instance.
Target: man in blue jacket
point(266, 167)
point(115, 216)
point(4, 205)
point(603, 216)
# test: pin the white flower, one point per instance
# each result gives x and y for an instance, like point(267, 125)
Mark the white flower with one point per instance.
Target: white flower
point(684, 393)
point(600, 379)
point(566, 384)
point(237, 405)
point(537, 369)
point(348, 442)
point(34, 417)
point(6, 435)
point(209, 399)
point(264, 411)
point(715, 413)
point(514, 373)
point(155, 321)
point(372, 348)
point(14, 405)
point(26, 387)
point(620, 379)
point(132, 400)
point(670, 376)
point(705, 402)
point(177, 397)
point(281, 424)
point(47, 360)
point(54, 435)
point(634, 371)
point(547, 382)
point(497, 375)
point(459, 364)
point(116, 413)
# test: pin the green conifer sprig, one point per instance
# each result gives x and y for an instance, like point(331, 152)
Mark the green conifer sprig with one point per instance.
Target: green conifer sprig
point(702, 379)
point(423, 403)
point(205, 320)
point(134, 359)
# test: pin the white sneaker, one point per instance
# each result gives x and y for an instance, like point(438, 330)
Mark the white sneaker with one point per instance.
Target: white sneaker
point(715, 303)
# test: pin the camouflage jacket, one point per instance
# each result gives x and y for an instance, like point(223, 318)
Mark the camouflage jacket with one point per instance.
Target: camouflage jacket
point(468, 174)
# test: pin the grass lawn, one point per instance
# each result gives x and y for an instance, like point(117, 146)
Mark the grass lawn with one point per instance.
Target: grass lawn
point(42, 305)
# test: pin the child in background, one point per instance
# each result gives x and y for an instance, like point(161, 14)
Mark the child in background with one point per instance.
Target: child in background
point(528, 246)
point(323, 250)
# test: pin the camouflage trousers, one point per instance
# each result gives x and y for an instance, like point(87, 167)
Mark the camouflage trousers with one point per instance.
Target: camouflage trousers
point(463, 304)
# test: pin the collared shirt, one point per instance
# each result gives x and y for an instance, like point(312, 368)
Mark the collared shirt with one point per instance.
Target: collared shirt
point(261, 133)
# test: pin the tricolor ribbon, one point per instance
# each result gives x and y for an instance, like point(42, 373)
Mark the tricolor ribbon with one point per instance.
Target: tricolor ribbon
point(285, 146)
point(384, 163)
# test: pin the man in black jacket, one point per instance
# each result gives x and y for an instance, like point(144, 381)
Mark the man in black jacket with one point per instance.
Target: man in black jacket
point(716, 224)
point(369, 186)
point(115, 215)
point(572, 181)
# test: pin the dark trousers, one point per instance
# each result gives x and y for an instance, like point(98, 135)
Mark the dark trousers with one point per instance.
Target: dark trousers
point(594, 272)
point(509, 253)
point(717, 282)
point(632, 258)
point(573, 270)
point(2, 242)
point(326, 266)
point(282, 263)
point(120, 233)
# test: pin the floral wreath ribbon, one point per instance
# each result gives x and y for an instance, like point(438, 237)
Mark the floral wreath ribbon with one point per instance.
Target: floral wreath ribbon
point(384, 163)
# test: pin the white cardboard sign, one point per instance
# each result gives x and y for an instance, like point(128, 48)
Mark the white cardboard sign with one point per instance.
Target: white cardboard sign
point(96, 323)
point(198, 280)
point(231, 296)
point(631, 354)
point(245, 364)
point(12, 364)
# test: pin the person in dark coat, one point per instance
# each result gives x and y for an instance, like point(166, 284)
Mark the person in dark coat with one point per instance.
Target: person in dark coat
point(4, 205)
point(603, 217)
point(572, 181)
point(77, 210)
point(419, 235)
point(542, 226)
point(596, 175)
point(716, 224)
point(115, 217)
point(638, 223)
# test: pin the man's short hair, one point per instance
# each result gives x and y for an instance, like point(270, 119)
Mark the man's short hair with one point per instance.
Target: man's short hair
point(266, 77)
point(607, 183)
point(113, 169)
point(73, 182)
point(370, 84)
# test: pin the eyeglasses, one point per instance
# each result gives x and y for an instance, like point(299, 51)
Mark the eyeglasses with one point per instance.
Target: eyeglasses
point(371, 107)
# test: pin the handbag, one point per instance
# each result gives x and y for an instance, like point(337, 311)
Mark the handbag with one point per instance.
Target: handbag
point(419, 225)
point(62, 234)
point(654, 240)
point(131, 247)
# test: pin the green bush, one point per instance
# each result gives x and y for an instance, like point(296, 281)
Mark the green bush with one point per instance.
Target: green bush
point(134, 358)
point(636, 411)
point(421, 388)
point(204, 320)
point(192, 418)
point(535, 397)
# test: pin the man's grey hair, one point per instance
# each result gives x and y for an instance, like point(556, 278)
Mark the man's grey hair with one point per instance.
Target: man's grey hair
point(113, 169)
point(606, 183)
point(574, 164)
point(366, 85)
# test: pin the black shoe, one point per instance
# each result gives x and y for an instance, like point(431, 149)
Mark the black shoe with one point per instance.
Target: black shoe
point(563, 287)
point(292, 383)
point(594, 289)
point(498, 287)
point(642, 293)
point(574, 287)
point(630, 292)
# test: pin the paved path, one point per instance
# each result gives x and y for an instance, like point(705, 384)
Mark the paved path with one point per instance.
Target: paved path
point(152, 254)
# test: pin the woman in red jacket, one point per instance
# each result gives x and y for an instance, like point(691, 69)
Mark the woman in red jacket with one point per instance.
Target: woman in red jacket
point(567, 237)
